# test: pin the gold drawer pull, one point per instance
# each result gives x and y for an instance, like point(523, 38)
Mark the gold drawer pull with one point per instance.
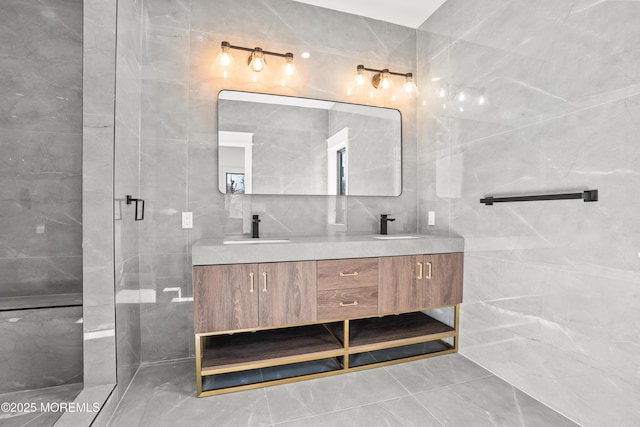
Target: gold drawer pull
point(428, 271)
point(419, 271)
point(348, 304)
point(264, 279)
point(251, 276)
point(355, 273)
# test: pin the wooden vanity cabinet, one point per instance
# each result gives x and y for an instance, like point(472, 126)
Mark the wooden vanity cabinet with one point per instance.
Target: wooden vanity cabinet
point(347, 288)
point(225, 297)
point(419, 282)
point(245, 296)
point(443, 286)
point(399, 290)
point(287, 293)
point(272, 323)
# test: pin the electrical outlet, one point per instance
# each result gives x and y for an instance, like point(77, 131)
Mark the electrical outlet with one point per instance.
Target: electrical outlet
point(431, 219)
point(187, 219)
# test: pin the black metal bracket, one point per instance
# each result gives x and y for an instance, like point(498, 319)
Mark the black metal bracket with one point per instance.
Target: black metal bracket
point(130, 199)
point(587, 196)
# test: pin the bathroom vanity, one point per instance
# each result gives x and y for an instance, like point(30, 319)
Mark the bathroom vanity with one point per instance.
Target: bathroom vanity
point(268, 312)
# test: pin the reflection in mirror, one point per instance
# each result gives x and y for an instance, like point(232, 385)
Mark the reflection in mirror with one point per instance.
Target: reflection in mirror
point(271, 144)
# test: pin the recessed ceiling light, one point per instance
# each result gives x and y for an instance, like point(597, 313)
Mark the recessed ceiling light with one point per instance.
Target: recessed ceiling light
point(305, 55)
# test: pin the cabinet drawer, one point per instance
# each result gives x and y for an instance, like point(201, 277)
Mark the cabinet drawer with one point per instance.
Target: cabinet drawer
point(346, 303)
point(347, 273)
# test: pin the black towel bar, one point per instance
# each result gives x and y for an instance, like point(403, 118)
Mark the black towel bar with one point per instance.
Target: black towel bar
point(587, 196)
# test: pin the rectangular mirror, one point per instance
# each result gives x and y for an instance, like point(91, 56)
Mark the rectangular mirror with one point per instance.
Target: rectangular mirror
point(272, 144)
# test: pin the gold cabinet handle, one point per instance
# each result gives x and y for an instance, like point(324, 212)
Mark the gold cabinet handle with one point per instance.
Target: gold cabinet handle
point(264, 281)
point(419, 271)
point(348, 304)
point(355, 273)
point(251, 276)
point(428, 276)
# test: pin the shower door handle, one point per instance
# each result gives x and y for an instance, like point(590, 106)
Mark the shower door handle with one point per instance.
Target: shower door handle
point(138, 202)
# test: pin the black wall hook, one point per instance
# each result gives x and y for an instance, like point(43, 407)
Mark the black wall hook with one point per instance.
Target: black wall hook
point(130, 199)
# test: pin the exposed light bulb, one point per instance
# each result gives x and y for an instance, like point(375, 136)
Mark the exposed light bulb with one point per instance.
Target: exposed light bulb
point(256, 60)
point(288, 75)
point(288, 69)
point(223, 64)
point(385, 81)
point(410, 89)
point(382, 82)
point(225, 58)
point(358, 84)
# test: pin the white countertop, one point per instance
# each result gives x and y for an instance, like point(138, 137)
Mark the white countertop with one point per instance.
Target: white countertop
point(278, 249)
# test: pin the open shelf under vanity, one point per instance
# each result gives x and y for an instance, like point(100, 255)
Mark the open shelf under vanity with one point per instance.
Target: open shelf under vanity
point(234, 361)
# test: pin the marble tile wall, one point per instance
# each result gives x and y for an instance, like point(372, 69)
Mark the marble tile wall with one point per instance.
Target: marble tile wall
point(179, 137)
point(40, 149)
point(45, 350)
point(552, 289)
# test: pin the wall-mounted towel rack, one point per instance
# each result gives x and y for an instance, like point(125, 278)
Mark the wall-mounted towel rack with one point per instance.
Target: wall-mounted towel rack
point(140, 217)
point(587, 196)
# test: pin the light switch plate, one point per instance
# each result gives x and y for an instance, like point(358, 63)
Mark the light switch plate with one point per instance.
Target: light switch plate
point(187, 219)
point(431, 218)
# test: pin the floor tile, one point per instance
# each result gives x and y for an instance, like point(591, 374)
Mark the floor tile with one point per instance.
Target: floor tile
point(64, 393)
point(308, 398)
point(164, 395)
point(399, 395)
point(488, 402)
point(427, 374)
point(402, 412)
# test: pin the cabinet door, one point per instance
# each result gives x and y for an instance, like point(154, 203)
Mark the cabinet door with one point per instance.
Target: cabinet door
point(442, 279)
point(225, 297)
point(399, 289)
point(287, 293)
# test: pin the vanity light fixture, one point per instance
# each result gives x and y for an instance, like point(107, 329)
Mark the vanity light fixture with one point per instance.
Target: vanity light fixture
point(256, 63)
point(382, 81)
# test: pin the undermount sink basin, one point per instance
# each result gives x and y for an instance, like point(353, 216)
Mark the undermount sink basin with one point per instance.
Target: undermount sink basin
point(255, 241)
point(397, 237)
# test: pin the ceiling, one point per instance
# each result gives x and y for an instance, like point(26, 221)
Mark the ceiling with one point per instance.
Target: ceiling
point(410, 13)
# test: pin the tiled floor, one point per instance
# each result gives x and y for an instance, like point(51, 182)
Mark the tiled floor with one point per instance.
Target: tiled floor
point(442, 391)
point(44, 396)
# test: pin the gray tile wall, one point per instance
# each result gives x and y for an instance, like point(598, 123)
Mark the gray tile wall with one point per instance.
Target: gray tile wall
point(179, 137)
point(40, 147)
point(45, 348)
point(40, 191)
point(552, 289)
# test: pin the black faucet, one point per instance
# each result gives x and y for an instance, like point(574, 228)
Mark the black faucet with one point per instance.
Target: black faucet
point(255, 227)
point(384, 218)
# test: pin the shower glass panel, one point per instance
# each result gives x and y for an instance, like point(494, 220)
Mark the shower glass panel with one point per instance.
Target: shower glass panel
point(41, 202)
